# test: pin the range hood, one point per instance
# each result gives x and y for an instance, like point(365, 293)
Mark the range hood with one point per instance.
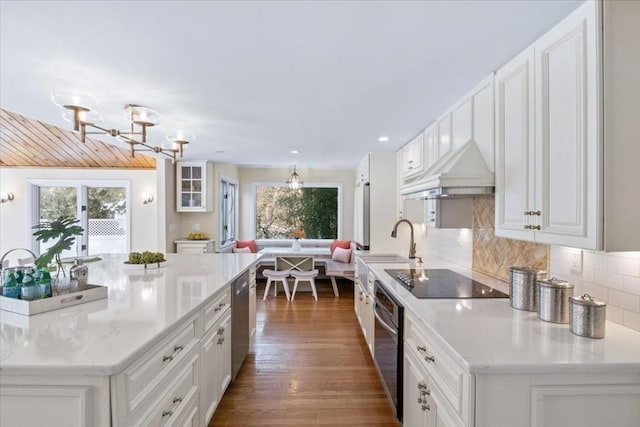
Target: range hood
point(462, 172)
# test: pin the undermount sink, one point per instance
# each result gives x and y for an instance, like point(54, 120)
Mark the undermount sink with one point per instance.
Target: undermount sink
point(383, 258)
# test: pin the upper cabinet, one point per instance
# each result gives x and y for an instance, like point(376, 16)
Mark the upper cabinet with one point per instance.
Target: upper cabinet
point(192, 192)
point(469, 119)
point(362, 173)
point(549, 126)
point(413, 161)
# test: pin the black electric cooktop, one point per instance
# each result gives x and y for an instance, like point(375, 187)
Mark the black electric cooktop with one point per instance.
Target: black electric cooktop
point(441, 283)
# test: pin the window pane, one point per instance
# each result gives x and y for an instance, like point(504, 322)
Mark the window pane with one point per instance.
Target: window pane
point(280, 211)
point(107, 220)
point(54, 203)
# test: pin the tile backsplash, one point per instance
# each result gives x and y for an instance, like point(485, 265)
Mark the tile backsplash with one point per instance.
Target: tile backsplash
point(612, 277)
point(495, 255)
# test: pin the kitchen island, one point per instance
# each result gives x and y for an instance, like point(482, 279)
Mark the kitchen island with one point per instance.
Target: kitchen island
point(109, 362)
point(478, 362)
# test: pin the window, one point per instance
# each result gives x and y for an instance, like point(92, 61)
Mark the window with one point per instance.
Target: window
point(315, 210)
point(101, 209)
point(228, 211)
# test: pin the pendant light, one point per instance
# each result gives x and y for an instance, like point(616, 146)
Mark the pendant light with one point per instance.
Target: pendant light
point(295, 182)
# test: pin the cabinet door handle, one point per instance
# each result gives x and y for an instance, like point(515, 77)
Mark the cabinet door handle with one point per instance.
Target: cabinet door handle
point(167, 358)
point(220, 341)
point(536, 213)
point(219, 307)
point(177, 399)
point(426, 407)
point(421, 348)
point(430, 359)
point(419, 399)
point(220, 331)
point(528, 227)
point(177, 348)
point(535, 227)
point(421, 385)
point(167, 413)
point(527, 213)
point(426, 392)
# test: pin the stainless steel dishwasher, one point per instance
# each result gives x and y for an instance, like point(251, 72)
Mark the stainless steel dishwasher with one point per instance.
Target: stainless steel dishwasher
point(239, 322)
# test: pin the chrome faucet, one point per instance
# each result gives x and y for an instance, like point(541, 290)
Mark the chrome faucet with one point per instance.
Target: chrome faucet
point(412, 245)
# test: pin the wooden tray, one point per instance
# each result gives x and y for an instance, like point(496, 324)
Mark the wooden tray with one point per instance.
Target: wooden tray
point(29, 308)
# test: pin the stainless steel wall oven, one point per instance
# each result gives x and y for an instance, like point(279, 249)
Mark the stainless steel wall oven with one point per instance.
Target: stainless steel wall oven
point(388, 338)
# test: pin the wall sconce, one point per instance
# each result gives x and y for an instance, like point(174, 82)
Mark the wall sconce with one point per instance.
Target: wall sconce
point(147, 198)
point(6, 196)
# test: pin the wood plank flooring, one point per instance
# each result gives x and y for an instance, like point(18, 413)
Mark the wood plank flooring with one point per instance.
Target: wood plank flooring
point(308, 366)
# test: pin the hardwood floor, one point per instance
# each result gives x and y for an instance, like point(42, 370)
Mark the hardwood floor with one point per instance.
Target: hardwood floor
point(308, 366)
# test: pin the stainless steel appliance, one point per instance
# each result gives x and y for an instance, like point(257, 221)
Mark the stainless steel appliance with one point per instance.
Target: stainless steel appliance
point(362, 214)
point(388, 336)
point(442, 283)
point(239, 322)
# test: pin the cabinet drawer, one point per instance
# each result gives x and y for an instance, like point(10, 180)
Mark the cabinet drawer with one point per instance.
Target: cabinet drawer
point(138, 384)
point(177, 400)
point(214, 310)
point(451, 379)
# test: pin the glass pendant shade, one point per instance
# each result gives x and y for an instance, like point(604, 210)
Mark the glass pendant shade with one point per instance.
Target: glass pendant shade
point(180, 137)
point(84, 116)
point(140, 115)
point(73, 99)
point(295, 182)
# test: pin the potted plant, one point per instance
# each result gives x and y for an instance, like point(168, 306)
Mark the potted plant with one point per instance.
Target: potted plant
point(65, 230)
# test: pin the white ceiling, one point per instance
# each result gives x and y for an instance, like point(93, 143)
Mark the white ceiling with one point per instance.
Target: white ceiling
point(258, 79)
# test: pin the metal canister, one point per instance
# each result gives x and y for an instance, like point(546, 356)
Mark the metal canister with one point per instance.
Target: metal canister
point(587, 316)
point(523, 288)
point(553, 300)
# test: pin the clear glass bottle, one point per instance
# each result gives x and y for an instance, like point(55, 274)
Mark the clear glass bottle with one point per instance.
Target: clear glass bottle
point(80, 273)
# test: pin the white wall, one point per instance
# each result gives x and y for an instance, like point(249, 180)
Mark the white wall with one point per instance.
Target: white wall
point(453, 245)
point(15, 216)
point(249, 175)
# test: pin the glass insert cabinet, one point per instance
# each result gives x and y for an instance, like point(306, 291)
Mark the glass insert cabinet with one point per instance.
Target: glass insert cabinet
point(191, 186)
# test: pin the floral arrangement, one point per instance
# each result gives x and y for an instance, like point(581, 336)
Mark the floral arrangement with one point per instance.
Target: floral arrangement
point(298, 234)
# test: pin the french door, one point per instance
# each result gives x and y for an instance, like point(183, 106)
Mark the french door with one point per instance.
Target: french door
point(101, 207)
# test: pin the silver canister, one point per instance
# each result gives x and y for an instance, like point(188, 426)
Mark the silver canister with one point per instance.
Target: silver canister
point(553, 300)
point(587, 316)
point(523, 288)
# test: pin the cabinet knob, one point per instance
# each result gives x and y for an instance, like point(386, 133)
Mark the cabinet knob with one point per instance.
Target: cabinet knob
point(430, 359)
point(177, 348)
point(528, 227)
point(535, 227)
point(167, 413)
point(527, 213)
point(425, 407)
point(167, 358)
point(536, 213)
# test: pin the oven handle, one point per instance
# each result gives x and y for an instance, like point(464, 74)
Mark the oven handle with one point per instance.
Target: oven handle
point(384, 324)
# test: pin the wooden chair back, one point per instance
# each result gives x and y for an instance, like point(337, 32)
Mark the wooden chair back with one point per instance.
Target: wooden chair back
point(300, 263)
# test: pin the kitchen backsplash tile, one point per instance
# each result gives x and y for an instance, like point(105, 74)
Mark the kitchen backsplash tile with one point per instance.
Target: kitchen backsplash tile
point(453, 245)
point(495, 255)
point(611, 277)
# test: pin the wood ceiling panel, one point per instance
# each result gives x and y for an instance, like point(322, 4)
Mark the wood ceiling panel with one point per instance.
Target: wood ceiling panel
point(29, 142)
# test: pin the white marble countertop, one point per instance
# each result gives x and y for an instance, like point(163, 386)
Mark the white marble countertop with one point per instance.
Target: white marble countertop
point(488, 336)
point(102, 337)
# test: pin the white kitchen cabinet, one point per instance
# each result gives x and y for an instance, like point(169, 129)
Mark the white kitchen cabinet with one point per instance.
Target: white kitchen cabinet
point(514, 85)
point(483, 119)
point(450, 386)
point(362, 173)
point(553, 106)
point(461, 124)
point(413, 161)
point(252, 302)
point(192, 192)
point(71, 401)
point(216, 364)
point(431, 145)
point(158, 383)
point(444, 135)
point(548, 400)
point(194, 246)
point(413, 210)
point(363, 306)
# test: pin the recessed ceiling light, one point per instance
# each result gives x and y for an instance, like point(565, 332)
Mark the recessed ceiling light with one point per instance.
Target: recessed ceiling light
point(383, 139)
point(294, 152)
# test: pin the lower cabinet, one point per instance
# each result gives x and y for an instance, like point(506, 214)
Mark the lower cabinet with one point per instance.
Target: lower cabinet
point(363, 306)
point(252, 302)
point(438, 391)
point(216, 365)
point(27, 401)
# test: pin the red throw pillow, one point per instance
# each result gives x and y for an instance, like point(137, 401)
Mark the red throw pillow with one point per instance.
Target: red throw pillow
point(344, 244)
point(251, 244)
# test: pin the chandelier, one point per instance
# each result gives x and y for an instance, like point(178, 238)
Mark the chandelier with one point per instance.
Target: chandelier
point(295, 182)
point(79, 111)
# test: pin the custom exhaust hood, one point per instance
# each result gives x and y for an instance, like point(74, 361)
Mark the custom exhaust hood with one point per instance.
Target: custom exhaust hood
point(462, 172)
